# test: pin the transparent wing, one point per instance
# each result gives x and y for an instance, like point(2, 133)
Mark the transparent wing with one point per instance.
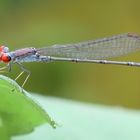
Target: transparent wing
point(97, 49)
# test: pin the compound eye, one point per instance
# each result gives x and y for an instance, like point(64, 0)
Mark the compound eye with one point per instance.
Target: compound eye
point(2, 48)
point(5, 58)
point(1, 53)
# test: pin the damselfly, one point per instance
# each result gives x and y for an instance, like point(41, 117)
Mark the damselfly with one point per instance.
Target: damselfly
point(94, 51)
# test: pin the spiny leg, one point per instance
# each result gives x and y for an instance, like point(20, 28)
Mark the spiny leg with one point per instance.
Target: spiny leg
point(19, 75)
point(23, 70)
point(8, 67)
point(3, 68)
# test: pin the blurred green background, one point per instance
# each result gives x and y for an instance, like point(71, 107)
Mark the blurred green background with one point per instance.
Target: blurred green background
point(39, 23)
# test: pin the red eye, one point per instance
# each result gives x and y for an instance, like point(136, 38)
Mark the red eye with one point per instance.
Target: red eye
point(1, 48)
point(5, 58)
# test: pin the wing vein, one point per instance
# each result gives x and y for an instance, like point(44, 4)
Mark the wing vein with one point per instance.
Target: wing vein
point(95, 49)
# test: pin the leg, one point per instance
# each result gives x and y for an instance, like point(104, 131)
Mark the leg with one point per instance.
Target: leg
point(23, 70)
point(8, 66)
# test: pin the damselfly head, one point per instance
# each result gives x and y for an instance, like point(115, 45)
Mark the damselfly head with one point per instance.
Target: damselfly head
point(4, 55)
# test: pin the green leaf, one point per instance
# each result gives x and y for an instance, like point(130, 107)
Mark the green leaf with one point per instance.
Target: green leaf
point(19, 113)
point(84, 121)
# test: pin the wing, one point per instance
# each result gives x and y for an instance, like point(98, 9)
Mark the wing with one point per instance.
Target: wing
point(97, 49)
